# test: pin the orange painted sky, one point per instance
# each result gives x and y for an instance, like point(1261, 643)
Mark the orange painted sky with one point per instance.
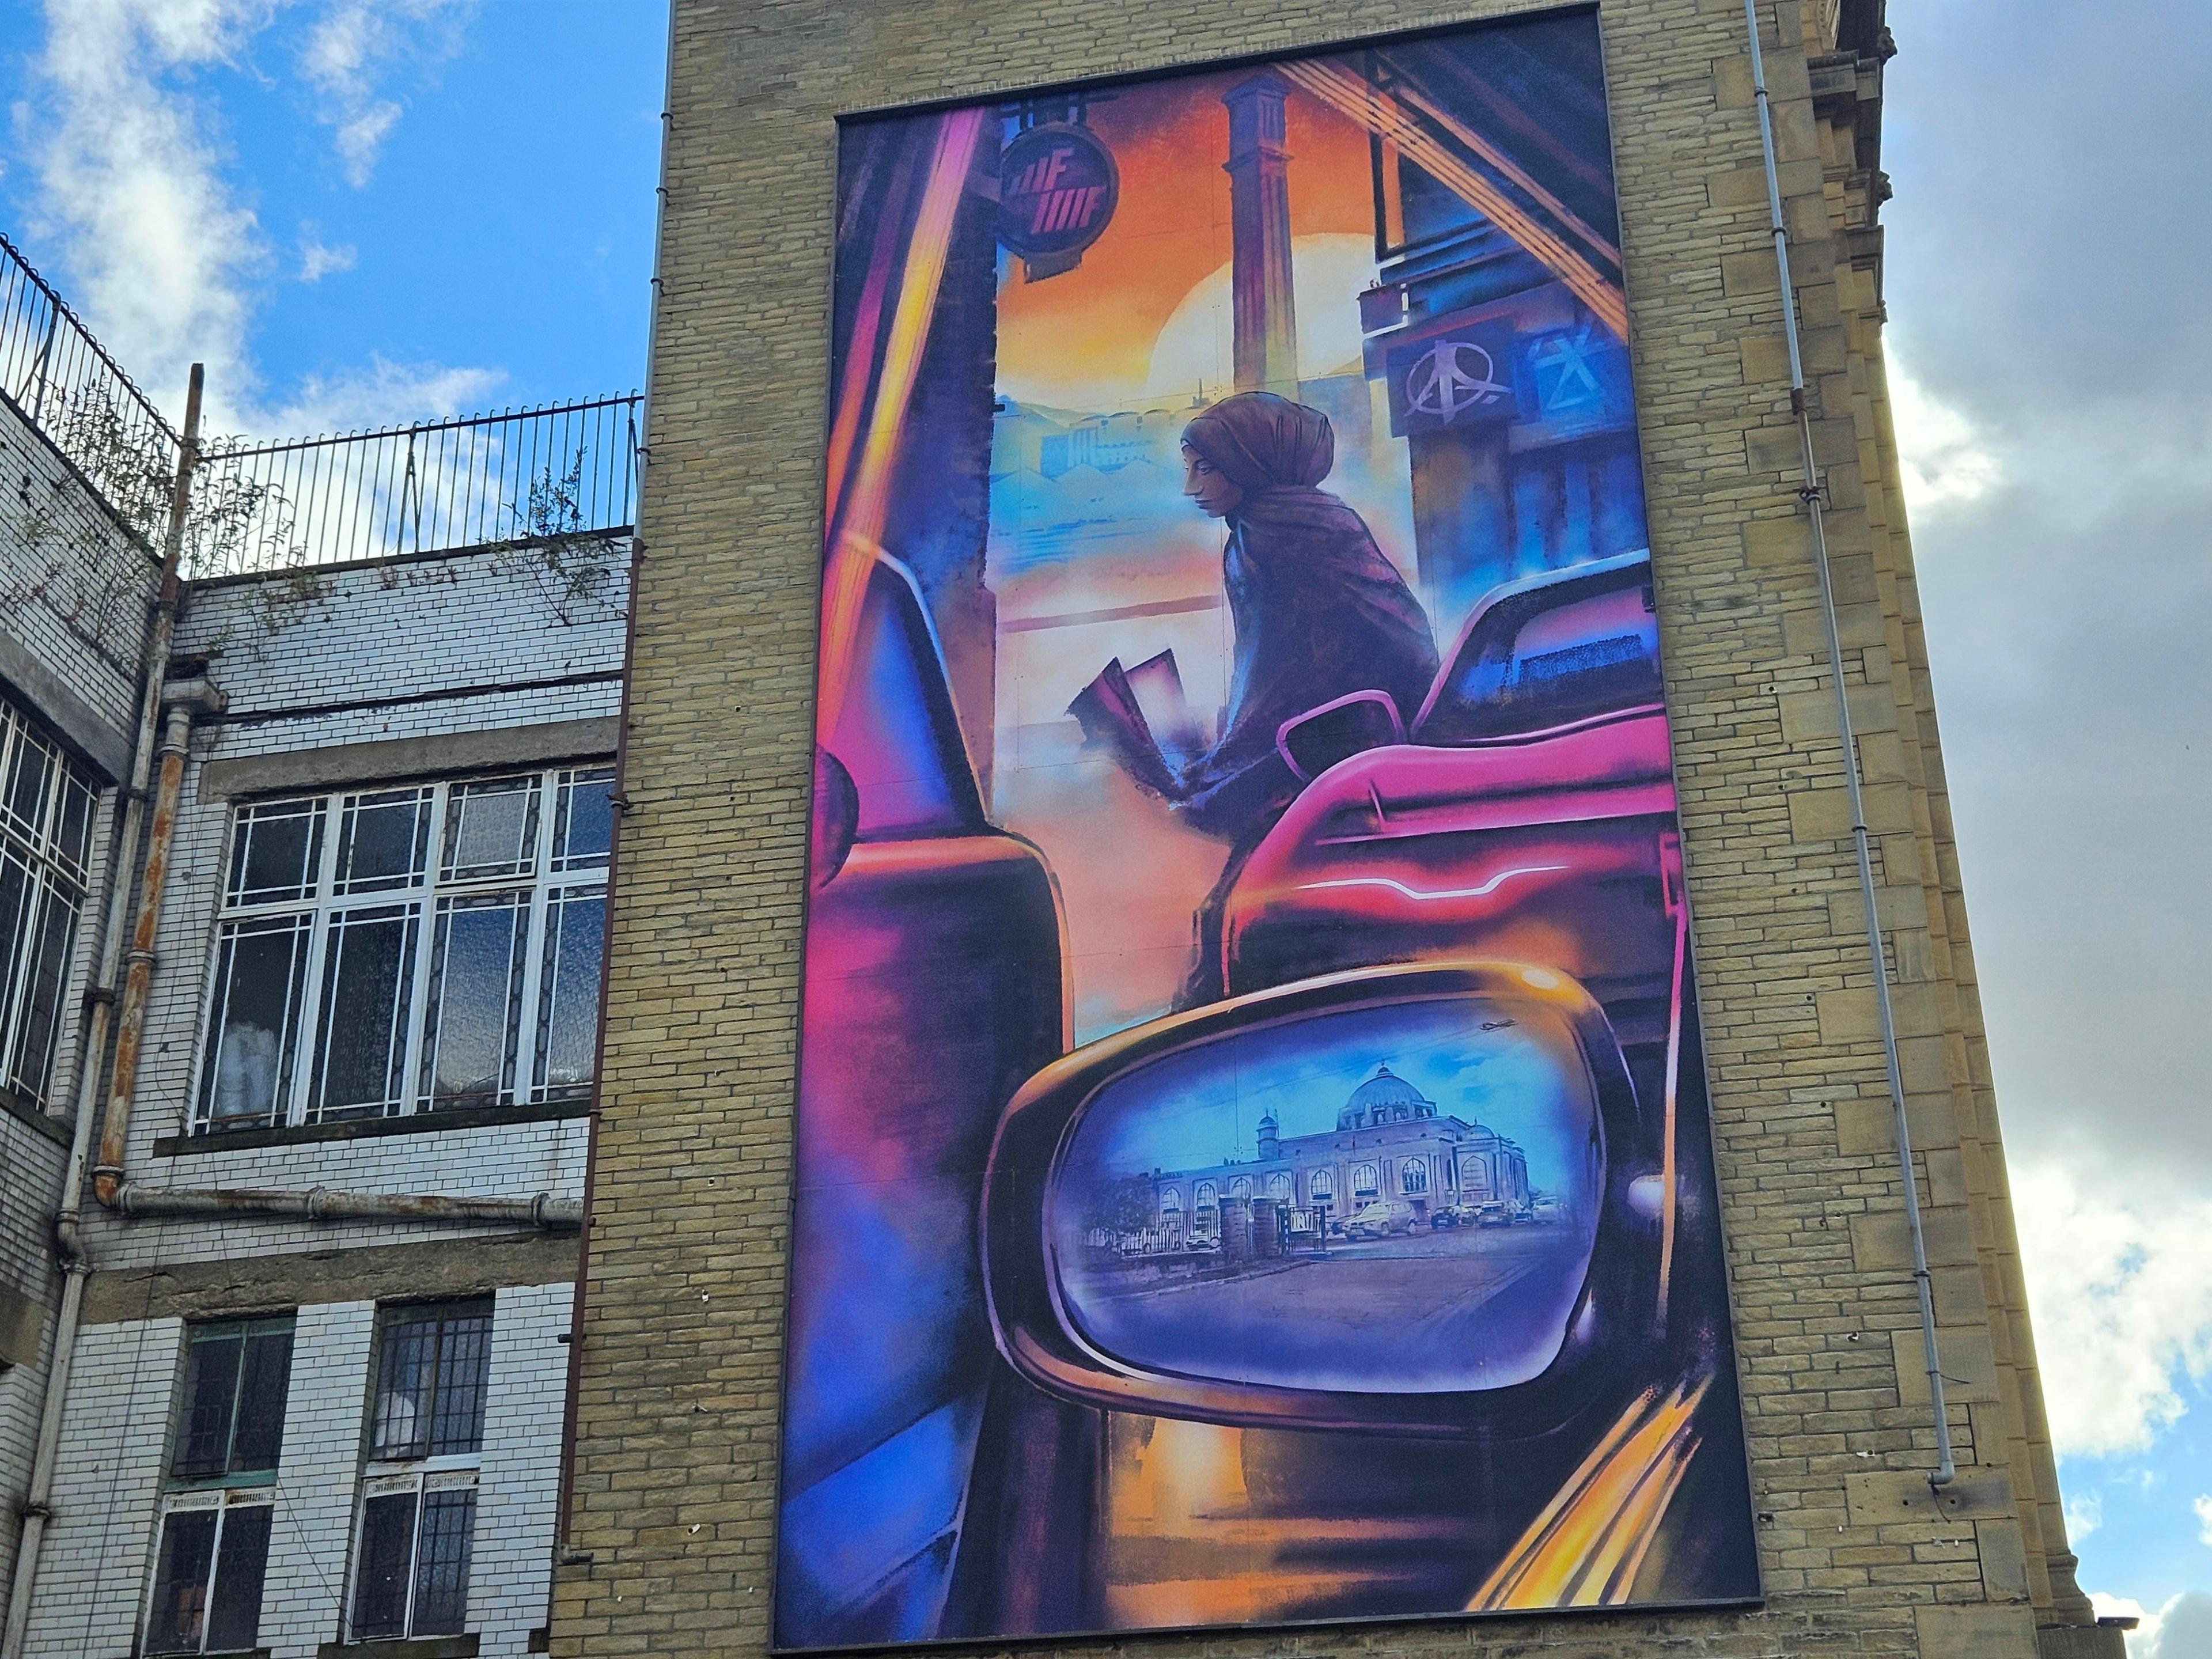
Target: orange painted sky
point(1099, 321)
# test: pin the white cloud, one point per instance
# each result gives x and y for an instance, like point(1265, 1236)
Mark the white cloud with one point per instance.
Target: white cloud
point(2180, 1629)
point(160, 250)
point(2085, 1513)
point(351, 48)
point(2202, 1505)
point(131, 181)
point(2120, 1286)
point(1946, 460)
point(318, 259)
point(383, 394)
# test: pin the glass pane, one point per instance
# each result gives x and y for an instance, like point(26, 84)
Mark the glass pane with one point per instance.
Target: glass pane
point(381, 840)
point(585, 828)
point(46, 969)
point(275, 851)
point(210, 1402)
point(491, 828)
point(262, 1395)
point(475, 1000)
point(260, 970)
point(896, 732)
point(18, 921)
point(181, 1582)
point(1401, 1291)
point(388, 1549)
point(569, 1027)
point(29, 767)
point(464, 1361)
point(73, 824)
point(400, 1423)
point(442, 1562)
point(234, 1621)
point(361, 1034)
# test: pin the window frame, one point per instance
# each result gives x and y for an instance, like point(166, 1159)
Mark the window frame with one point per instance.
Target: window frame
point(225, 1492)
point(425, 902)
point(53, 849)
point(421, 1475)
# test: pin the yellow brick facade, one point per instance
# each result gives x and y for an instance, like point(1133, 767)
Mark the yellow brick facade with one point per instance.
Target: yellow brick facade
point(669, 1537)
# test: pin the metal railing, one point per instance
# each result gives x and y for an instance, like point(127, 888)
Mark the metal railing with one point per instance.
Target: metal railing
point(558, 470)
point(63, 382)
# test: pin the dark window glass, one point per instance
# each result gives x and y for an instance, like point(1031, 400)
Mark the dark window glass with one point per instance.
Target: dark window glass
point(241, 1563)
point(211, 1404)
point(441, 1561)
point(568, 995)
point(260, 972)
point(73, 824)
point(46, 969)
point(264, 1384)
point(361, 1037)
point(29, 769)
point(231, 1417)
point(584, 828)
point(476, 998)
point(388, 1550)
point(491, 828)
point(274, 851)
point(181, 1583)
point(382, 839)
point(430, 1381)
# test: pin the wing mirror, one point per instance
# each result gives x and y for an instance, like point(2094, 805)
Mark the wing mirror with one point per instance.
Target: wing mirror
point(1313, 741)
point(1396, 1200)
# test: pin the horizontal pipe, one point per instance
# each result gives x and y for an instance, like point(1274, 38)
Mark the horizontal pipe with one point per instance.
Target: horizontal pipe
point(553, 1215)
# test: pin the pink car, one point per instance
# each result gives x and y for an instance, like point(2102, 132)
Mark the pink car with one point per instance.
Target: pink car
point(1528, 815)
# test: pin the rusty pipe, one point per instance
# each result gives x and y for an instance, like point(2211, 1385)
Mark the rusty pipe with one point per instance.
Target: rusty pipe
point(138, 970)
point(542, 1209)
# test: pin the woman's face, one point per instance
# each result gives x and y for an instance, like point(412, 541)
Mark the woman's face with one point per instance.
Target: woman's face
point(1208, 486)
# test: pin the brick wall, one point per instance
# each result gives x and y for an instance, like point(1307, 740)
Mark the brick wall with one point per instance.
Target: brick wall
point(680, 1366)
point(454, 647)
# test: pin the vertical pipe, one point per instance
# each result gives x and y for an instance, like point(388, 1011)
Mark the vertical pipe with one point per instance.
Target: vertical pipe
point(100, 998)
point(1946, 1468)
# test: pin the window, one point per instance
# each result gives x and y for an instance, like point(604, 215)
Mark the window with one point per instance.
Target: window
point(1279, 1188)
point(1363, 1180)
point(1412, 1176)
point(409, 950)
point(45, 841)
point(216, 1507)
point(1321, 1186)
point(419, 1490)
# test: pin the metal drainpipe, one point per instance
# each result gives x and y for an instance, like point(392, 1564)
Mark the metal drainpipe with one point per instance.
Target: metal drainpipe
point(1946, 1468)
point(76, 1264)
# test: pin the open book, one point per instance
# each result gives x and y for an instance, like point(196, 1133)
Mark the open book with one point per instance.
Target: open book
point(1141, 715)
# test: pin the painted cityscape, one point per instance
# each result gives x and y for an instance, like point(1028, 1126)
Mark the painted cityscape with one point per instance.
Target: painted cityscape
point(1252, 1155)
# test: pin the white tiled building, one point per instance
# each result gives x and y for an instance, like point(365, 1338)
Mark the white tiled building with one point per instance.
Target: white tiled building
point(374, 990)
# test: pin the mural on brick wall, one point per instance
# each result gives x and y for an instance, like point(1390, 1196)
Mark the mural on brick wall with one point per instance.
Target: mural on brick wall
point(1252, 1152)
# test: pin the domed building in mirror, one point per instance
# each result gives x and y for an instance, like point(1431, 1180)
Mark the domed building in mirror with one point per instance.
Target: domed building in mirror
point(1392, 1147)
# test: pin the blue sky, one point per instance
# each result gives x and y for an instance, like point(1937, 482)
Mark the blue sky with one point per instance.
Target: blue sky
point(410, 208)
point(368, 211)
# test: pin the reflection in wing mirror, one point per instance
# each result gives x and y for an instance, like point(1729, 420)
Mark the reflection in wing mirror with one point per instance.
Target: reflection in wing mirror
point(1396, 1200)
point(1313, 741)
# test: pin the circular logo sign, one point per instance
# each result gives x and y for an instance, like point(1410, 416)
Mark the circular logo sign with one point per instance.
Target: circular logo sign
point(1057, 189)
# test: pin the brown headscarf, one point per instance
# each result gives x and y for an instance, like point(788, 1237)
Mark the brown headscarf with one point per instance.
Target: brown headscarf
point(1319, 612)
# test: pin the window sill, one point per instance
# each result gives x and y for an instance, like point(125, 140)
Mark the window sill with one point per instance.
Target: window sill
point(403, 1647)
point(368, 1128)
point(52, 1127)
